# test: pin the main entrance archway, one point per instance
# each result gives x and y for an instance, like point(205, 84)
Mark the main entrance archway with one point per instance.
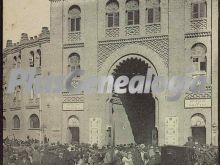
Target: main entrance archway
point(139, 108)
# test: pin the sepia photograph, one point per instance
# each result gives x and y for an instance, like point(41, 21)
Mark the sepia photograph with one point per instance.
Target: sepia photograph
point(110, 82)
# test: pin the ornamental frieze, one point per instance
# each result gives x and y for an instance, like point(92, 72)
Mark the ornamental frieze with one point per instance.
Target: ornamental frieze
point(73, 99)
point(159, 44)
point(206, 95)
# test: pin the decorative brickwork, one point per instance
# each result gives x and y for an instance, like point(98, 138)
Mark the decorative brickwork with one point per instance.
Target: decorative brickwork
point(198, 24)
point(132, 30)
point(158, 44)
point(75, 45)
point(74, 36)
point(75, 83)
point(201, 34)
point(206, 95)
point(112, 32)
point(153, 28)
point(73, 99)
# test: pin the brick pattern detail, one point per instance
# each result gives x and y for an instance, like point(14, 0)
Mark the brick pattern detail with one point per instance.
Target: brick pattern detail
point(200, 24)
point(157, 44)
point(206, 95)
point(152, 28)
point(73, 99)
point(132, 30)
point(74, 36)
point(112, 32)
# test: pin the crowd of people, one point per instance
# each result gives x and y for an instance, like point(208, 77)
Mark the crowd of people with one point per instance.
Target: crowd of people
point(203, 154)
point(31, 152)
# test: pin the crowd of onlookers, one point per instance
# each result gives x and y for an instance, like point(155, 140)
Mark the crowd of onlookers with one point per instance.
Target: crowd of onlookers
point(203, 154)
point(31, 152)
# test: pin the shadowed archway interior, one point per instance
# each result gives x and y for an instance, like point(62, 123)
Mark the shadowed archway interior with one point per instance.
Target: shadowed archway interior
point(140, 108)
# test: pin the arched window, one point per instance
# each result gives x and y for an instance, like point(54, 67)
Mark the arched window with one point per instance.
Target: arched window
point(38, 58)
point(16, 122)
point(199, 9)
point(74, 15)
point(31, 59)
point(199, 58)
point(112, 13)
point(34, 121)
point(132, 9)
point(4, 122)
point(73, 62)
point(153, 11)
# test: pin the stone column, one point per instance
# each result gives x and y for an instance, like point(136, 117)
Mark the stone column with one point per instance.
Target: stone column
point(142, 9)
point(176, 37)
point(122, 17)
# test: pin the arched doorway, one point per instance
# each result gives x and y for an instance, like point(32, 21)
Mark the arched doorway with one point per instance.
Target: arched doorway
point(139, 108)
point(73, 128)
point(198, 123)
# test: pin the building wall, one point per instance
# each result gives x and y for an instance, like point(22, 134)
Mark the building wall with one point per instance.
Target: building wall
point(167, 45)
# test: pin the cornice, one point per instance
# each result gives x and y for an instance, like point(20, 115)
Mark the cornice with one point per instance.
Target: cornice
point(75, 45)
point(199, 34)
point(133, 39)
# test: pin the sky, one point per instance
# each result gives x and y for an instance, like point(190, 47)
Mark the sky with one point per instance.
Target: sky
point(24, 16)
